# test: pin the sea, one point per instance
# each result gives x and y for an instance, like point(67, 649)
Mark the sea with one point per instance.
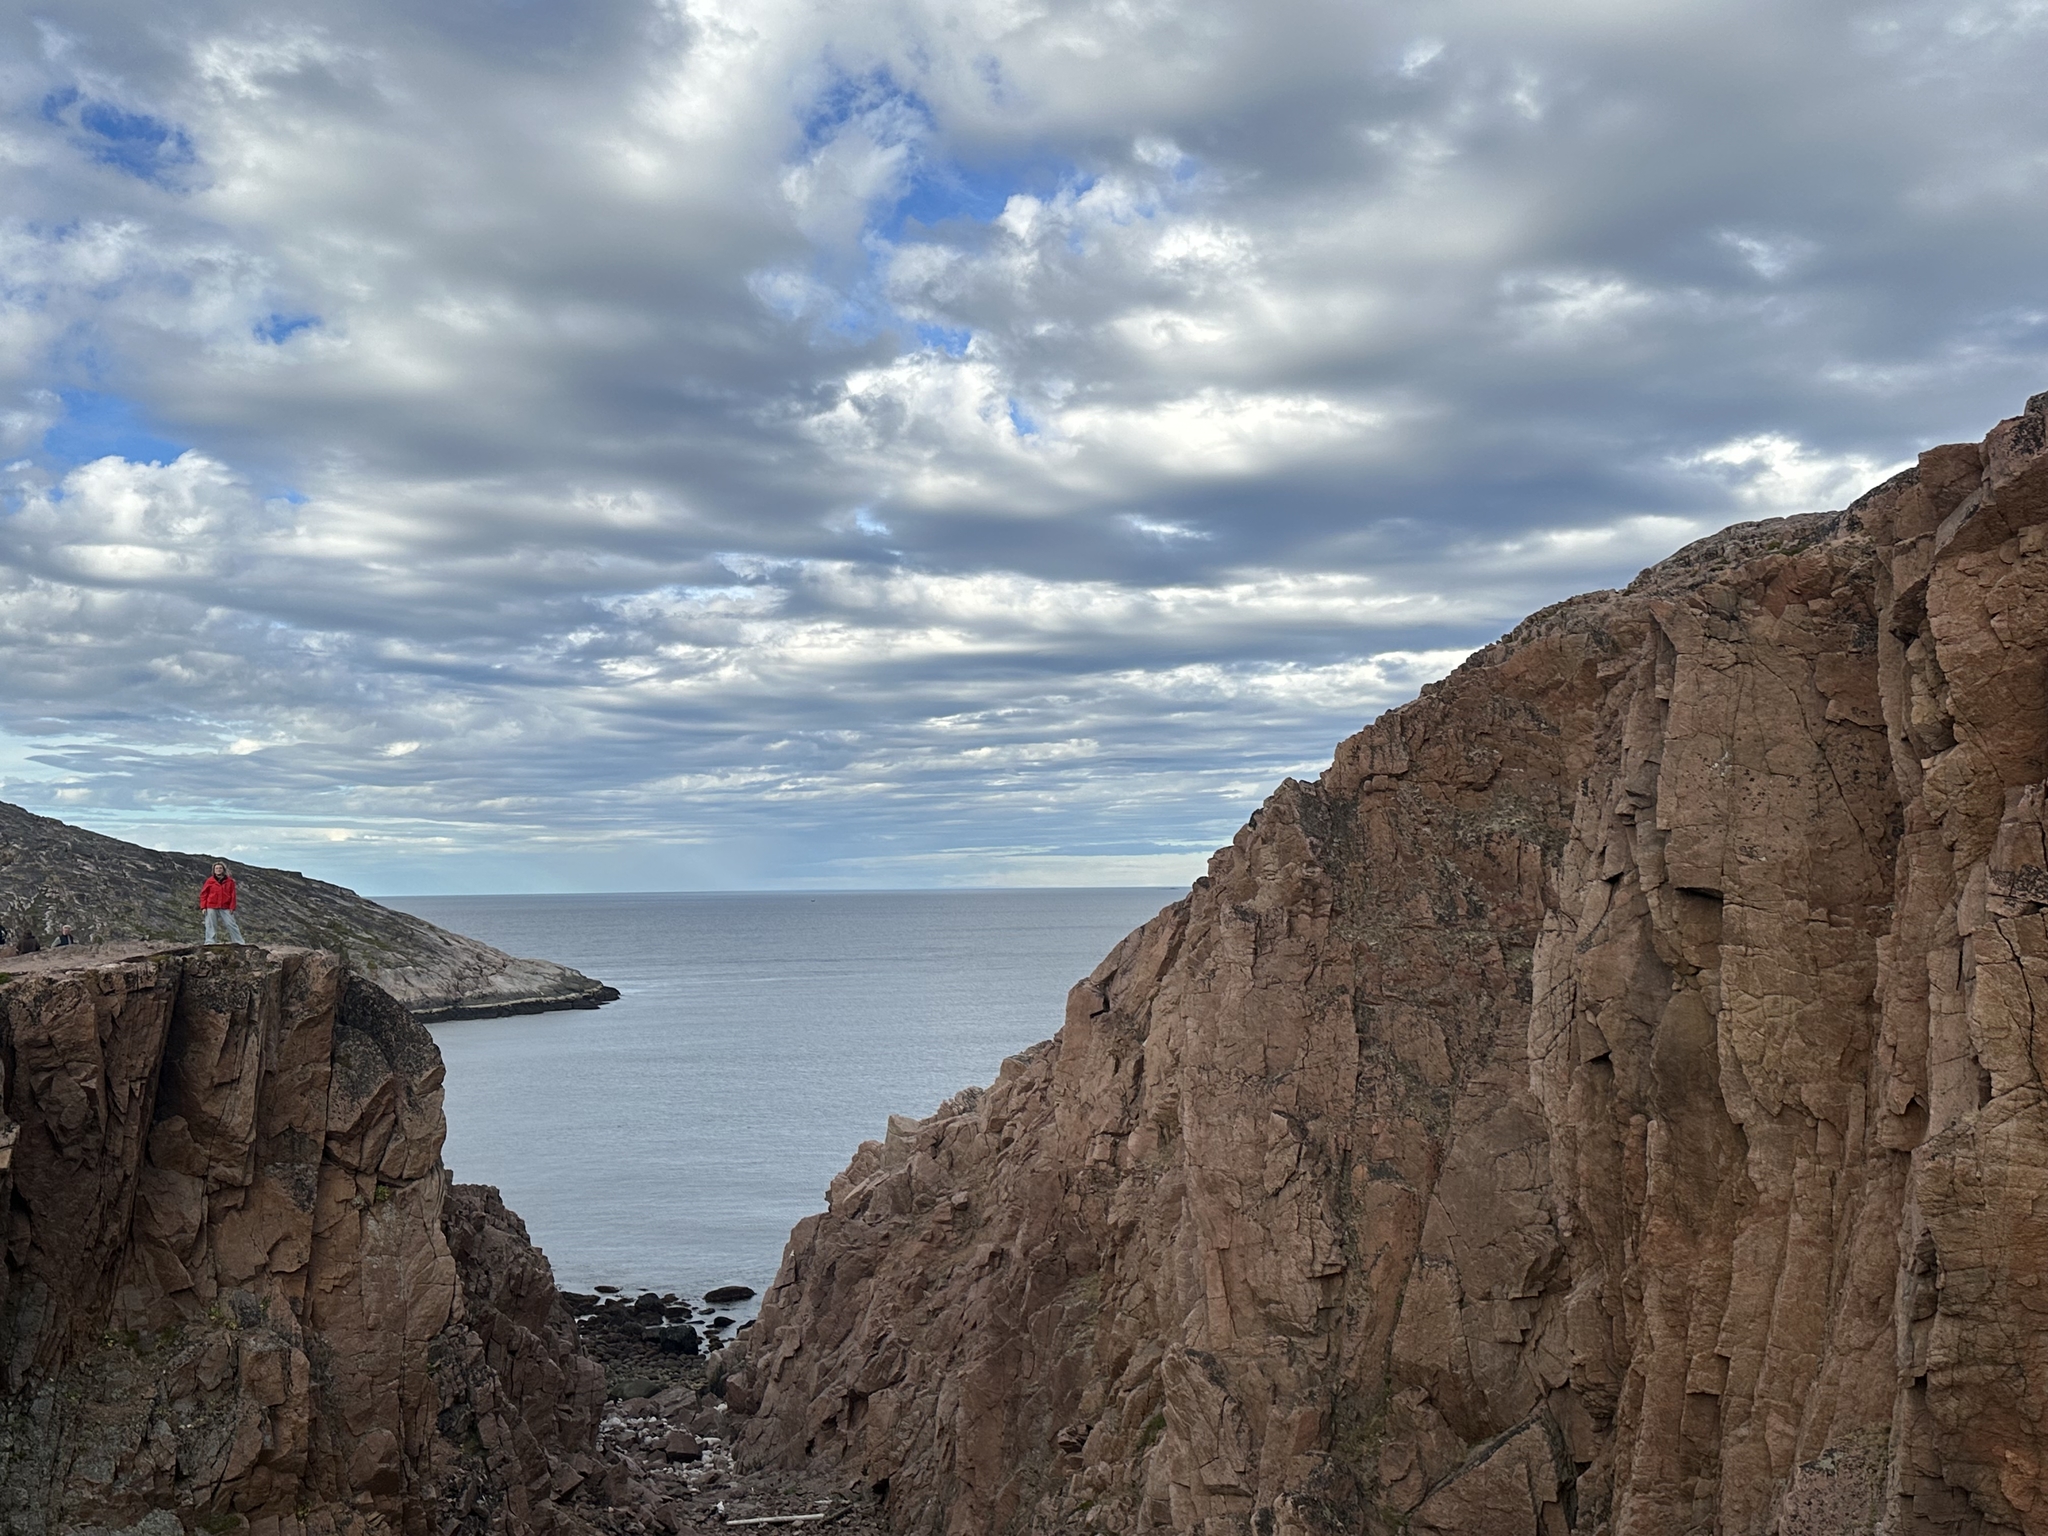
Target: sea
point(670, 1140)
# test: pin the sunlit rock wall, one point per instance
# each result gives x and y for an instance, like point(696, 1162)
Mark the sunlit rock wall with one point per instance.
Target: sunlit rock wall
point(1609, 1099)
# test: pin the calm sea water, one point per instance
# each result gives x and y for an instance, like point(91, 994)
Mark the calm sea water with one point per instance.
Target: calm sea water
point(669, 1141)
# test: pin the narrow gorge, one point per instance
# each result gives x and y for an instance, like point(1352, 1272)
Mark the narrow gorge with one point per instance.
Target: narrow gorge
point(1610, 1099)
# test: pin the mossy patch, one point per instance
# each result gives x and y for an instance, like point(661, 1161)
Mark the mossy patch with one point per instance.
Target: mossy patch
point(1148, 1435)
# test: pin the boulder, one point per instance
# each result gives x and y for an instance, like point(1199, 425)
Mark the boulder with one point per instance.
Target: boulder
point(674, 1338)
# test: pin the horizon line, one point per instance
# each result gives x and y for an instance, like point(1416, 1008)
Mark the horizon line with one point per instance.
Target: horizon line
point(824, 890)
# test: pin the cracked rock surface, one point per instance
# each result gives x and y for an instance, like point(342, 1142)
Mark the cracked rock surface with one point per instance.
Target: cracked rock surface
point(241, 1296)
point(1612, 1098)
point(238, 1294)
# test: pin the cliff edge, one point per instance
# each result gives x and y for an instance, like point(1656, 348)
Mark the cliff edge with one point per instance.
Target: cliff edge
point(52, 873)
point(238, 1291)
point(1613, 1098)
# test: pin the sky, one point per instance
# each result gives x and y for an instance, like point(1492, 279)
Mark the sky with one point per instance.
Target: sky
point(717, 444)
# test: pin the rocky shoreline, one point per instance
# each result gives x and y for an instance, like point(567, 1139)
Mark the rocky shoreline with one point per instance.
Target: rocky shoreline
point(649, 1341)
point(678, 1447)
point(596, 995)
point(672, 1418)
point(660, 1461)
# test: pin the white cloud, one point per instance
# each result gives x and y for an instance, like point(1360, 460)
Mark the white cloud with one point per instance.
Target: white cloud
point(1775, 475)
point(1572, 308)
point(1420, 54)
point(1019, 430)
point(1221, 431)
point(1769, 257)
point(1153, 528)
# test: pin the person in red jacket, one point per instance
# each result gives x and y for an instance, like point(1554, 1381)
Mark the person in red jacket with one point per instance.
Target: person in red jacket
point(217, 901)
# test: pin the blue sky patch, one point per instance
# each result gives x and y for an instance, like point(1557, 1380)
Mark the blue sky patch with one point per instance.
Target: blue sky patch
point(944, 191)
point(951, 340)
point(939, 190)
point(939, 193)
point(96, 425)
point(141, 145)
point(278, 328)
point(874, 96)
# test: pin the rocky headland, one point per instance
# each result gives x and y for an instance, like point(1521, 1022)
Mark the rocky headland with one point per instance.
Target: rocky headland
point(1612, 1098)
point(53, 874)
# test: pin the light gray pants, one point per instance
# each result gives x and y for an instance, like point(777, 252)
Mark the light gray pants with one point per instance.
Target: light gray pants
point(214, 921)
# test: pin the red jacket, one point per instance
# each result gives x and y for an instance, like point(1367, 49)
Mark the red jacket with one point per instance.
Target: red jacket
point(217, 895)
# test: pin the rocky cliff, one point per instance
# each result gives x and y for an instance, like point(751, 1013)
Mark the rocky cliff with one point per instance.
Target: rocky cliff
point(53, 874)
point(238, 1294)
point(1610, 1099)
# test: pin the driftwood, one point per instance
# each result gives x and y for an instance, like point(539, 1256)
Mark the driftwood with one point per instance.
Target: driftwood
point(818, 1519)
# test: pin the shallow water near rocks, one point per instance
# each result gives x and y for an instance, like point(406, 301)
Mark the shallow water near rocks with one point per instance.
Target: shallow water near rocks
point(670, 1140)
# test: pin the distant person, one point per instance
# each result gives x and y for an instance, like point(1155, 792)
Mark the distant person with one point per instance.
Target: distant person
point(217, 901)
point(64, 936)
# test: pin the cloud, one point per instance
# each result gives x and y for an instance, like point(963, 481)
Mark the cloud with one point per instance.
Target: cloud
point(1776, 475)
point(685, 442)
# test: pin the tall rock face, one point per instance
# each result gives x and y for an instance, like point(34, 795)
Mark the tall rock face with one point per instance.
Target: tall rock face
point(1610, 1099)
point(229, 1299)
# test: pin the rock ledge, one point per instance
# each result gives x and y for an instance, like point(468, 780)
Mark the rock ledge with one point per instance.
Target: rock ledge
point(52, 873)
